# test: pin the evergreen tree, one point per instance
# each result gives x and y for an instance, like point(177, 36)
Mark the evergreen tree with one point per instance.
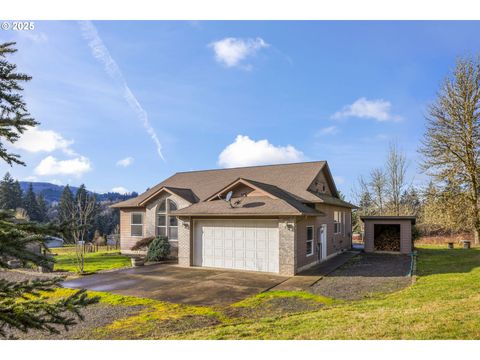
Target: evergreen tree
point(22, 305)
point(42, 209)
point(81, 195)
point(17, 195)
point(30, 204)
point(64, 208)
point(7, 201)
point(14, 117)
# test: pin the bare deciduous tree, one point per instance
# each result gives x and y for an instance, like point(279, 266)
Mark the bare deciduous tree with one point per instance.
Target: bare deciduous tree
point(378, 184)
point(451, 143)
point(80, 214)
point(396, 169)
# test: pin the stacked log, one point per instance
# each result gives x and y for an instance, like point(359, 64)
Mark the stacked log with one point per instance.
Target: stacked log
point(387, 238)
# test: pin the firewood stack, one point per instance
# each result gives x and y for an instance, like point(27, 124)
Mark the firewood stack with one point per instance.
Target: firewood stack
point(387, 238)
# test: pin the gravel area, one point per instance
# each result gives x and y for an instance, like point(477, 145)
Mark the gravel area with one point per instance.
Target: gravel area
point(97, 315)
point(365, 275)
point(24, 274)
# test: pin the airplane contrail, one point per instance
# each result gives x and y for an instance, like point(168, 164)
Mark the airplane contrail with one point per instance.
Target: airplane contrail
point(101, 53)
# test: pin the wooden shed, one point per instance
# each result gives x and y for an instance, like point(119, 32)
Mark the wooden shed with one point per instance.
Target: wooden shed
point(388, 233)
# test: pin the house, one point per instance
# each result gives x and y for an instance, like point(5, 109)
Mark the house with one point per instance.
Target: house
point(279, 218)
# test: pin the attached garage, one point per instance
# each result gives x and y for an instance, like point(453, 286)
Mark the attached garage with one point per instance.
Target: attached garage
point(237, 244)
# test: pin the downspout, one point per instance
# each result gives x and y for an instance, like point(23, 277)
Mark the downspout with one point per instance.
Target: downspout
point(413, 266)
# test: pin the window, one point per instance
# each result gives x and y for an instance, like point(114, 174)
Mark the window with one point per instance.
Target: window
point(337, 222)
point(136, 224)
point(309, 240)
point(167, 225)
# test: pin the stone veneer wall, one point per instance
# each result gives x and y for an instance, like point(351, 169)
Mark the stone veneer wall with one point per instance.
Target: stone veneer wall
point(185, 232)
point(288, 246)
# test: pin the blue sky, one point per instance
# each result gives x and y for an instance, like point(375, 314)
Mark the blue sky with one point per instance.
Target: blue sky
point(115, 97)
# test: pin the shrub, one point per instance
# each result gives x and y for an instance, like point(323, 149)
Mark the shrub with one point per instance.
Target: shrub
point(143, 243)
point(100, 241)
point(159, 249)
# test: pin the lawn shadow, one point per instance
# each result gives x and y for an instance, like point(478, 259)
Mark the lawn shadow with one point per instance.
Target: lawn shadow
point(432, 261)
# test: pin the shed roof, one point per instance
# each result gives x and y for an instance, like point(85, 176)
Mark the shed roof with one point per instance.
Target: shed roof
point(388, 218)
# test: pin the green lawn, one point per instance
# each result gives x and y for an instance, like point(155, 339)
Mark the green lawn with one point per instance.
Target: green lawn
point(444, 303)
point(102, 260)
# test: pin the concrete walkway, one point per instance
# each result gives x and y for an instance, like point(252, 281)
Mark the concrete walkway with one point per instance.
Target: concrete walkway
point(304, 280)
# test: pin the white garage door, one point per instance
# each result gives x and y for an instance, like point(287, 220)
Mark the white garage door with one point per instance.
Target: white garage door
point(237, 244)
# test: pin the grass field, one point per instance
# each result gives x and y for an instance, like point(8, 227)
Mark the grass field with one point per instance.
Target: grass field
point(444, 303)
point(102, 260)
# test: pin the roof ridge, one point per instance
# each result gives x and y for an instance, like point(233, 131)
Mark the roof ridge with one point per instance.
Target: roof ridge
point(253, 166)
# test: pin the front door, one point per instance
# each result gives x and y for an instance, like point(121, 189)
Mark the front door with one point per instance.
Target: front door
point(322, 242)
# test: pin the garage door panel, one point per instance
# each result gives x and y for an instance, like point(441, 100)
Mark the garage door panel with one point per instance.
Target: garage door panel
point(237, 244)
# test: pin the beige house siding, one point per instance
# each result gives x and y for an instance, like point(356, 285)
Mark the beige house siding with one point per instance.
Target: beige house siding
point(301, 238)
point(320, 184)
point(405, 234)
point(149, 223)
point(126, 239)
point(335, 242)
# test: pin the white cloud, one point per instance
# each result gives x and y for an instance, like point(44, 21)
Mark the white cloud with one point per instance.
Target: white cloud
point(35, 36)
point(55, 182)
point(35, 140)
point(120, 190)
point(379, 110)
point(52, 166)
point(339, 179)
point(125, 162)
point(245, 152)
point(329, 130)
point(101, 53)
point(232, 51)
point(30, 178)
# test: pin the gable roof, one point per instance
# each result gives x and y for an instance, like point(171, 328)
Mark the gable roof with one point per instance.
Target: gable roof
point(289, 182)
point(252, 184)
point(251, 205)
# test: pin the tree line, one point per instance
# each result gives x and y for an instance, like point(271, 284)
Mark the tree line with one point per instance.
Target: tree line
point(450, 156)
point(101, 220)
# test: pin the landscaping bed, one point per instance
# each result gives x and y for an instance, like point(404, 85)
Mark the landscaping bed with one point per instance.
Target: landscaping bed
point(365, 275)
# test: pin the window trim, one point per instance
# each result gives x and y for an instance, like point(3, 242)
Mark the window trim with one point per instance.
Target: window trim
point(135, 224)
point(338, 230)
point(167, 216)
point(310, 240)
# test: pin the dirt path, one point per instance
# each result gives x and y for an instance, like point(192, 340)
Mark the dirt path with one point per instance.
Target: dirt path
point(365, 275)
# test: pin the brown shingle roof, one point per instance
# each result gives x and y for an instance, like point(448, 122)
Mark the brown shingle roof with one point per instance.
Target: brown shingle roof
point(293, 179)
point(251, 205)
point(331, 200)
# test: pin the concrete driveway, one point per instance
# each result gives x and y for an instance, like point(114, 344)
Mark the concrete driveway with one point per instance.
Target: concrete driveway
point(167, 282)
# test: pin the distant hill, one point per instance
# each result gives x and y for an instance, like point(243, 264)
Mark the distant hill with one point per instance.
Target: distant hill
point(52, 192)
